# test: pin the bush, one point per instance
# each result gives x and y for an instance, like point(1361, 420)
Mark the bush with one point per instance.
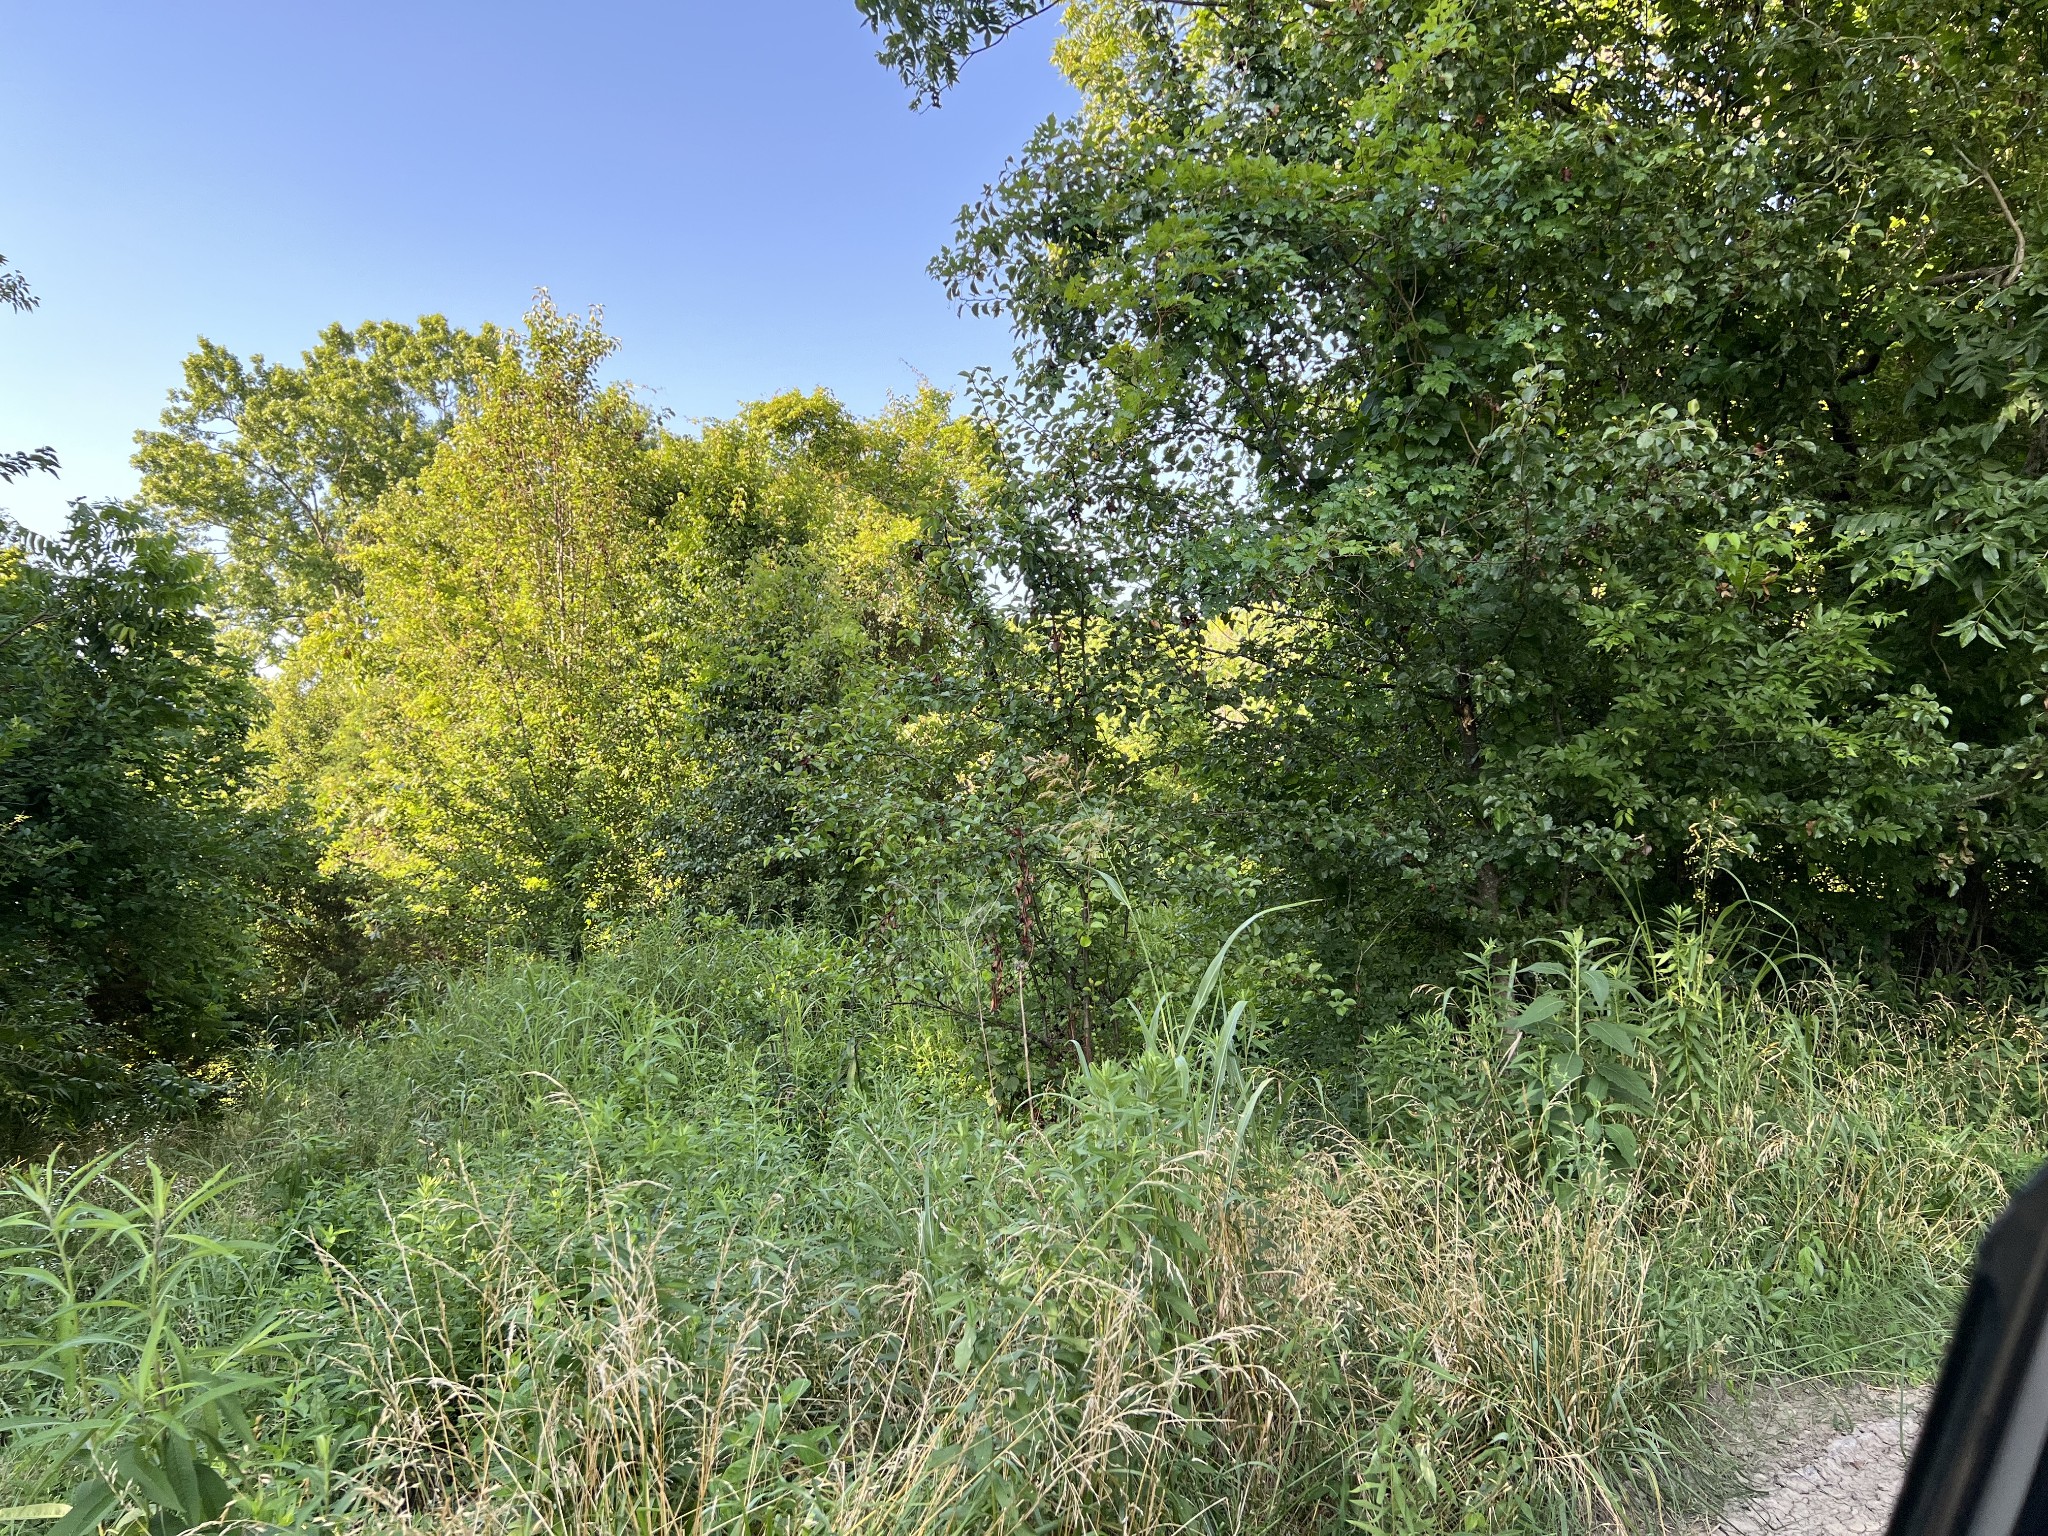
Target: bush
point(125, 879)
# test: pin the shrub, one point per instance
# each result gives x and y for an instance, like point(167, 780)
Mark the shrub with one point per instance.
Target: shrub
point(125, 882)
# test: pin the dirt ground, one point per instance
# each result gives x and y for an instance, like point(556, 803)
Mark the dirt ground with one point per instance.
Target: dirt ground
point(1820, 1461)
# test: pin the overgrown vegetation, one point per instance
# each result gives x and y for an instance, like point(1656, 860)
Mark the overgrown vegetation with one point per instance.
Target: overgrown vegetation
point(707, 1234)
point(123, 912)
point(568, 973)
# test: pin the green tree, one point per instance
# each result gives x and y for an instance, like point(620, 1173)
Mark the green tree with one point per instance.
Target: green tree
point(125, 862)
point(812, 560)
point(279, 462)
point(1550, 442)
point(593, 664)
point(484, 725)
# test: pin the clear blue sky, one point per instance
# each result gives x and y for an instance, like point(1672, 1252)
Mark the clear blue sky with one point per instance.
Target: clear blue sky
point(738, 182)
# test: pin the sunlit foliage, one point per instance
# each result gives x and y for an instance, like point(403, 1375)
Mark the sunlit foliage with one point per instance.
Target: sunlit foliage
point(1615, 435)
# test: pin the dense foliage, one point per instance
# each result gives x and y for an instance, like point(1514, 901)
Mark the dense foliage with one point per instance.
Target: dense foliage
point(720, 954)
point(127, 865)
point(1473, 467)
point(584, 654)
point(708, 1234)
point(1571, 445)
point(1469, 467)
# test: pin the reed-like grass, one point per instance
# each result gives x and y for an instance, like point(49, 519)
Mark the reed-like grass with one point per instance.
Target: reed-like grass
point(710, 1236)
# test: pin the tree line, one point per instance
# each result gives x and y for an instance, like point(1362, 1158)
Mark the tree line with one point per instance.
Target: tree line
point(1470, 467)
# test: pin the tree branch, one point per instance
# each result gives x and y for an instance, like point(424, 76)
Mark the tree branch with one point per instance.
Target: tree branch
point(1866, 365)
point(14, 465)
point(1967, 275)
point(2019, 255)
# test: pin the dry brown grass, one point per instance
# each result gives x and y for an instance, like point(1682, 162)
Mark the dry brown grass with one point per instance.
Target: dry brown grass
point(1490, 1346)
point(505, 1403)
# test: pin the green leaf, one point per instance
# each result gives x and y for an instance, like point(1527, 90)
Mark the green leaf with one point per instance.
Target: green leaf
point(134, 1464)
point(1615, 1036)
point(1548, 1006)
point(214, 1494)
point(182, 1475)
point(91, 1503)
point(234, 1419)
point(1629, 1081)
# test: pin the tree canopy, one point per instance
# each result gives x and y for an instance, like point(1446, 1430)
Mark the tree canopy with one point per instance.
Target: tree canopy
point(585, 653)
point(280, 461)
point(1610, 440)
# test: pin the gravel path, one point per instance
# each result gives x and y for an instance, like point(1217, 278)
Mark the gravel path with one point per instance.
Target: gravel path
point(1827, 1467)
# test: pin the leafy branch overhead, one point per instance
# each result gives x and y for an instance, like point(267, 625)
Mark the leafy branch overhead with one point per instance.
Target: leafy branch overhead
point(16, 295)
point(927, 41)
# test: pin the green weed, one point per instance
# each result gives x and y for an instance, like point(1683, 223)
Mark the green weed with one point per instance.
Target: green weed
point(109, 1375)
point(714, 1234)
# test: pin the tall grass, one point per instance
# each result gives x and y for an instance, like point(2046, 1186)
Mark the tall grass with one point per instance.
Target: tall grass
point(710, 1236)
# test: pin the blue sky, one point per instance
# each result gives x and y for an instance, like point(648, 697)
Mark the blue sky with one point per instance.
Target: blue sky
point(740, 184)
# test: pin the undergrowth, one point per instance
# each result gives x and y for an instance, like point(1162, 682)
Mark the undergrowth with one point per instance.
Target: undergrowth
point(711, 1233)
